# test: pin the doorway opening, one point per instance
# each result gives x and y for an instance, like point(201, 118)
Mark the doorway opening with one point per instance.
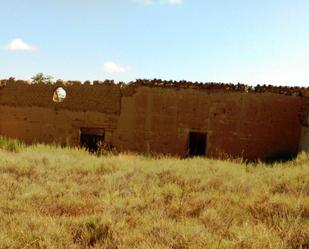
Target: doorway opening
point(91, 138)
point(197, 144)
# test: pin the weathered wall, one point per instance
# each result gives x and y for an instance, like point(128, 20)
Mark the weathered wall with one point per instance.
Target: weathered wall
point(148, 117)
point(304, 118)
point(103, 97)
point(253, 125)
point(27, 111)
point(304, 141)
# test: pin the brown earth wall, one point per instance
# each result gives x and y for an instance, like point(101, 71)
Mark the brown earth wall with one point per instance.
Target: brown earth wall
point(252, 125)
point(154, 119)
point(28, 112)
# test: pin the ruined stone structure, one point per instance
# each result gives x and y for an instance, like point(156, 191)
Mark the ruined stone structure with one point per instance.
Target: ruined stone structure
point(176, 118)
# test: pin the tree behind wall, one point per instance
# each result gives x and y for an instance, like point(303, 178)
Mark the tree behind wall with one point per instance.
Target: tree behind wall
point(41, 78)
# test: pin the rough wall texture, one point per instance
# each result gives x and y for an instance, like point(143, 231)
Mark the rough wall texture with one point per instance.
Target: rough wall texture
point(304, 117)
point(157, 116)
point(252, 125)
point(27, 111)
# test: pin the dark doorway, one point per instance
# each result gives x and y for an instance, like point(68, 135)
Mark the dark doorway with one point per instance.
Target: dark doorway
point(197, 144)
point(91, 138)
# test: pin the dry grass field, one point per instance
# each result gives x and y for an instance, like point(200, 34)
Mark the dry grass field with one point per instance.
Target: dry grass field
point(52, 197)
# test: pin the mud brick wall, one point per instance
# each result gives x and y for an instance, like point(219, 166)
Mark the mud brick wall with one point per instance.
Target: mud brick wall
point(304, 118)
point(252, 125)
point(101, 97)
point(28, 112)
point(157, 116)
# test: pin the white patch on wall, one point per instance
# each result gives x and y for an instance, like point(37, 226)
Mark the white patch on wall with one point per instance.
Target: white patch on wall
point(59, 95)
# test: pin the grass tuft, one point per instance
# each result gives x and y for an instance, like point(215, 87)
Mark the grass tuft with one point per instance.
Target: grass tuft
point(11, 145)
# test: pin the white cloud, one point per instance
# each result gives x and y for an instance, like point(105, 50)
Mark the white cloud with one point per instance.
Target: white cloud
point(18, 44)
point(114, 68)
point(174, 1)
point(171, 2)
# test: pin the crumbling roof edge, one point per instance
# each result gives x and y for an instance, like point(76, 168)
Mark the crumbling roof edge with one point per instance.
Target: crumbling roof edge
point(210, 86)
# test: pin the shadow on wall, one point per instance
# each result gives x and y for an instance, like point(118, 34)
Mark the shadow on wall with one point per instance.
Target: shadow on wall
point(280, 157)
point(276, 157)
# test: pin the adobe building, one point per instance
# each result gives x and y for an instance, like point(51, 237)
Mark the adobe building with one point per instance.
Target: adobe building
point(176, 118)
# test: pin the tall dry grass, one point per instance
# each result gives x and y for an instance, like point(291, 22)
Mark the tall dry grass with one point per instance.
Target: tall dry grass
point(53, 197)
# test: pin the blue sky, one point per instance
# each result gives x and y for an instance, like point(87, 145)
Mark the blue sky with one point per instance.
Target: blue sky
point(252, 41)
